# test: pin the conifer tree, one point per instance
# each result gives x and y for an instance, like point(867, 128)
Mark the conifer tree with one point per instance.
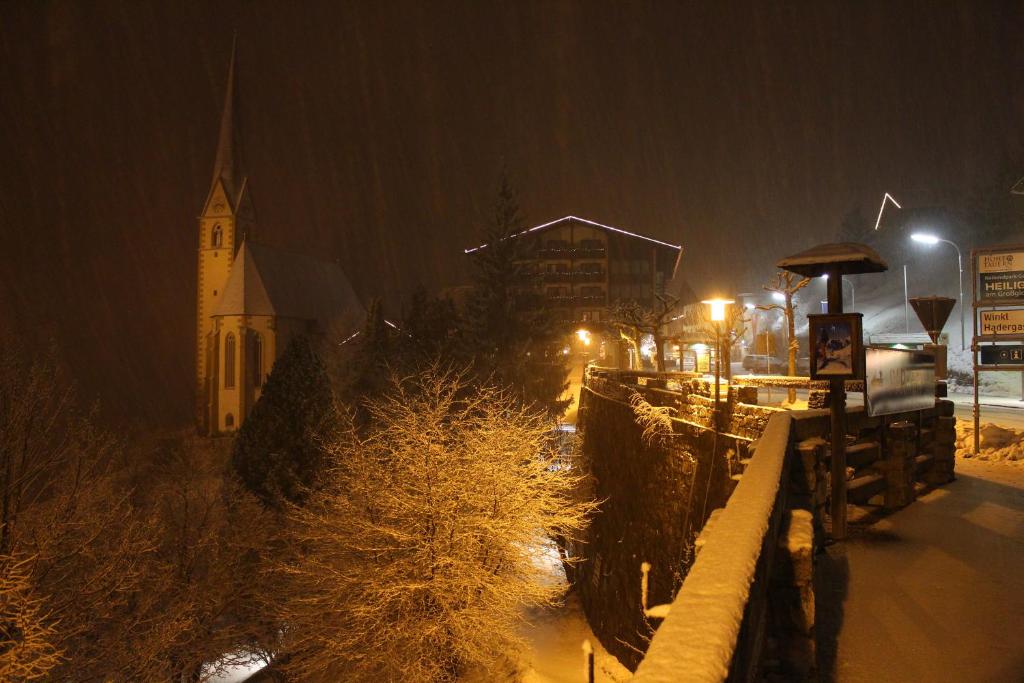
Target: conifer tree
point(277, 454)
point(512, 345)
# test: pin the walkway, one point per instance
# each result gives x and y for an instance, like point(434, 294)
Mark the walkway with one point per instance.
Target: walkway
point(934, 592)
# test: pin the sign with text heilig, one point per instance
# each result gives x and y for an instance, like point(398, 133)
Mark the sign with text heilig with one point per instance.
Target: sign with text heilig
point(1001, 276)
point(1008, 322)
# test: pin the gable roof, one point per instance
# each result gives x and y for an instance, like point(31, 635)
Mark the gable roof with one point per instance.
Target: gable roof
point(595, 224)
point(269, 281)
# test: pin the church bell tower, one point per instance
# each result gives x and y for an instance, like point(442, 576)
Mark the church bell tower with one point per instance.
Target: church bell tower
point(222, 222)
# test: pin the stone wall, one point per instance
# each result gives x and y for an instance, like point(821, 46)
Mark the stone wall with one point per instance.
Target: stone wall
point(655, 500)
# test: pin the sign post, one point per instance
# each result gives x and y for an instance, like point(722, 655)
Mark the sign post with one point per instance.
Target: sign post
point(997, 282)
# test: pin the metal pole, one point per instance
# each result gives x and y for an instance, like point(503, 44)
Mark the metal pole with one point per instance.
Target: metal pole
point(718, 370)
point(837, 422)
point(963, 328)
point(906, 300)
point(974, 350)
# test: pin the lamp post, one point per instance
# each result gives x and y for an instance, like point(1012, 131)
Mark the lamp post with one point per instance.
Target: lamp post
point(718, 317)
point(929, 239)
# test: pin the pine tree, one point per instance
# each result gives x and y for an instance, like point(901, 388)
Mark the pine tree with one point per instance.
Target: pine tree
point(277, 454)
point(511, 345)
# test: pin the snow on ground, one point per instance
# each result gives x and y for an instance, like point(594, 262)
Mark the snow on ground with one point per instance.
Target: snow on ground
point(554, 638)
point(932, 592)
point(237, 673)
point(998, 443)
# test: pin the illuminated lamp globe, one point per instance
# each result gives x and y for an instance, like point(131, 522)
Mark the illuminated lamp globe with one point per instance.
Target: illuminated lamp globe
point(925, 238)
point(718, 308)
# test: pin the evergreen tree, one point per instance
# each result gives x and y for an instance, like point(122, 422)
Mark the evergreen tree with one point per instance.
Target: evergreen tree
point(517, 348)
point(277, 454)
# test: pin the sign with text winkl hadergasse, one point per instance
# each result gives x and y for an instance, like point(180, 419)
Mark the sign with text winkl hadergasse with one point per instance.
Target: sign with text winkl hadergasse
point(1006, 321)
point(1001, 276)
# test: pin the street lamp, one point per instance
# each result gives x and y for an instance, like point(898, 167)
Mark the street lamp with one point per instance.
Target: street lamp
point(931, 240)
point(853, 292)
point(717, 307)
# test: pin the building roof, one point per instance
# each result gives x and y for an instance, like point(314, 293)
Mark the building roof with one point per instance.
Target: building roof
point(269, 281)
point(595, 224)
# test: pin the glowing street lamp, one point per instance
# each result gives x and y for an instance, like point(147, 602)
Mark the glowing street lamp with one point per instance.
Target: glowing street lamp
point(718, 317)
point(584, 336)
point(932, 240)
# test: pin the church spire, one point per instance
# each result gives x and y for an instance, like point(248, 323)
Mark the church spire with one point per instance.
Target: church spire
point(224, 164)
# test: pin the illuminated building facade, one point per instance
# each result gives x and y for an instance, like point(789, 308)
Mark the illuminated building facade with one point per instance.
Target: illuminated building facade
point(578, 269)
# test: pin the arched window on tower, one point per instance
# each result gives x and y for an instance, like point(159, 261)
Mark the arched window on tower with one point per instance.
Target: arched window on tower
point(229, 361)
point(257, 359)
point(217, 236)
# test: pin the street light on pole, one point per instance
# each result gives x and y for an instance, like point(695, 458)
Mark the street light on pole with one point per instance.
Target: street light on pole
point(931, 240)
point(717, 307)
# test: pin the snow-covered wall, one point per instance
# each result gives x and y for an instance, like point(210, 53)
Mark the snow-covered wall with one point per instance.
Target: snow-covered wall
point(655, 500)
point(697, 640)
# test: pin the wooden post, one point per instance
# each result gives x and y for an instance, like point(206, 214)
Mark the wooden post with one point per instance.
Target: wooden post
point(837, 421)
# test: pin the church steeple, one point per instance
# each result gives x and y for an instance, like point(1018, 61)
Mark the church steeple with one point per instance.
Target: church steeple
point(223, 223)
point(224, 164)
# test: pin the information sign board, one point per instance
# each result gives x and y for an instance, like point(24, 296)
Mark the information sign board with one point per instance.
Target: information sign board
point(1001, 276)
point(898, 380)
point(1002, 355)
point(1006, 321)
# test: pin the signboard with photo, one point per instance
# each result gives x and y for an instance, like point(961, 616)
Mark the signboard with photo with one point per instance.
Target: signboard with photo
point(836, 345)
point(898, 380)
point(1001, 276)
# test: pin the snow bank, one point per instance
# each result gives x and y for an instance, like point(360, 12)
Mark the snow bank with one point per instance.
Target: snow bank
point(1002, 444)
point(697, 639)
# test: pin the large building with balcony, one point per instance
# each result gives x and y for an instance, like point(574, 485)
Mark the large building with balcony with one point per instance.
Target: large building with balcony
point(578, 269)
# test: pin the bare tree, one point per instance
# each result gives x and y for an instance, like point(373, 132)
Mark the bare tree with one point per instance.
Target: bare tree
point(27, 631)
point(100, 580)
point(732, 329)
point(414, 561)
point(633, 321)
point(787, 285)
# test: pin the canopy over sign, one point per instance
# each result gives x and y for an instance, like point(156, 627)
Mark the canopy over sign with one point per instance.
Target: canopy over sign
point(933, 312)
point(844, 258)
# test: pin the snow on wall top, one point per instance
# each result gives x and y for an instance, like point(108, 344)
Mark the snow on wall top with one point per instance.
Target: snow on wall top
point(697, 640)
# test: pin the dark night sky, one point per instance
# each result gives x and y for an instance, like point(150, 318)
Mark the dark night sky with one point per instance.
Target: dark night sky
point(374, 132)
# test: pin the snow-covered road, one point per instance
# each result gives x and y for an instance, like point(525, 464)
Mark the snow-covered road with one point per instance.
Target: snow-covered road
point(934, 592)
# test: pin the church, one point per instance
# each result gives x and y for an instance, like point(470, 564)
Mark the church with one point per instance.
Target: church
point(252, 299)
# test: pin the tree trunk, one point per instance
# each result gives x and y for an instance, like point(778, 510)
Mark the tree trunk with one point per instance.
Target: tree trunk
point(659, 353)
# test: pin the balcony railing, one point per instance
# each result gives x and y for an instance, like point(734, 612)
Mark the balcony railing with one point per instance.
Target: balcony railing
point(570, 252)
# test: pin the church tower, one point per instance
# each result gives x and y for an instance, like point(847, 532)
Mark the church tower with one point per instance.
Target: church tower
point(223, 221)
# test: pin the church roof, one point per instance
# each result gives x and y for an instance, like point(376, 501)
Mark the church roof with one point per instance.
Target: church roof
point(269, 281)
